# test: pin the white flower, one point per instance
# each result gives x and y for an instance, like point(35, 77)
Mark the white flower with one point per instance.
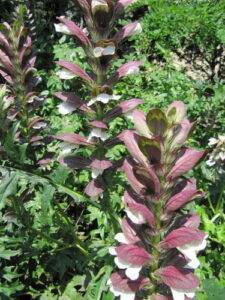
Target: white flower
point(137, 29)
point(66, 108)
point(129, 115)
point(120, 237)
point(132, 271)
point(133, 70)
point(95, 172)
point(191, 250)
point(98, 133)
point(221, 138)
point(222, 155)
point(212, 141)
point(104, 98)
point(100, 51)
point(95, 198)
point(124, 295)
point(62, 28)
point(135, 216)
point(98, 2)
point(180, 294)
point(39, 125)
point(210, 162)
point(65, 74)
point(67, 147)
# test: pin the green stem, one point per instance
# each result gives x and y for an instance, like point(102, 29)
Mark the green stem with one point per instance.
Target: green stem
point(219, 204)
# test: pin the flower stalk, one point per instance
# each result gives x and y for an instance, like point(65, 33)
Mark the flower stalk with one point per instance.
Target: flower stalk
point(158, 242)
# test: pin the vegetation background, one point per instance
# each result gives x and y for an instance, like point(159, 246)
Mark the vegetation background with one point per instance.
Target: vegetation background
point(183, 47)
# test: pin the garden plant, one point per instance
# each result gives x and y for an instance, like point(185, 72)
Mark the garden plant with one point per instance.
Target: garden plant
point(106, 189)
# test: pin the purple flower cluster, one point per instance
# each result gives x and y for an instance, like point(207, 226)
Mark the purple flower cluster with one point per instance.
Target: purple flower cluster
point(158, 243)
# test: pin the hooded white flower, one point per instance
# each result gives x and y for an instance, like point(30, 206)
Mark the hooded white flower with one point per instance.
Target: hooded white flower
point(124, 295)
point(132, 271)
point(104, 98)
point(95, 3)
point(120, 237)
point(65, 74)
point(133, 70)
point(212, 141)
point(135, 216)
point(66, 108)
point(191, 250)
point(100, 51)
point(95, 172)
point(180, 294)
point(39, 125)
point(67, 147)
point(129, 115)
point(62, 28)
point(97, 132)
point(137, 29)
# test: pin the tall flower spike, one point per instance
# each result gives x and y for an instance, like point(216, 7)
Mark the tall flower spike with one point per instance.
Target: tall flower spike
point(17, 68)
point(100, 46)
point(158, 243)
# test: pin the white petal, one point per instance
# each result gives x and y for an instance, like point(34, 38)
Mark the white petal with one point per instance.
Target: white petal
point(112, 250)
point(133, 272)
point(221, 138)
point(39, 125)
point(98, 51)
point(120, 237)
point(109, 50)
point(99, 133)
point(210, 162)
point(121, 264)
point(66, 108)
point(92, 101)
point(193, 264)
point(137, 29)
point(133, 70)
point(177, 295)
point(67, 147)
point(212, 141)
point(222, 155)
point(62, 28)
point(124, 295)
point(95, 172)
point(129, 115)
point(65, 74)
point(98, 2)
point(135, 216)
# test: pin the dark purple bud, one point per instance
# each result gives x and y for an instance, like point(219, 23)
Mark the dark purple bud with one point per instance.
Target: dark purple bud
point(100, 163)
point(150, 148)
point(127, 31)
point(148, 178)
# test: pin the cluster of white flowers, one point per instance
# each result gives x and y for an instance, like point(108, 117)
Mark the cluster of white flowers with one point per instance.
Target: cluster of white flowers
point(217, 157)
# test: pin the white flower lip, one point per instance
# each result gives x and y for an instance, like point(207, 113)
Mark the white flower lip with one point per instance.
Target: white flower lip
point(120, 237)
point(95, 3)
point(124, 295)
point(212, 141)
point(65, 74)
point(104, 98)
point(137, 29)
point(39, 125)
point(95, 172)
point(132, 271)
point(191, 250)
point(62, 28)
point(100, 51)
point(65, 108)
point(180, 294)
point(98, 133)
point(135, 216)
point(133, 70)
point(67, 147)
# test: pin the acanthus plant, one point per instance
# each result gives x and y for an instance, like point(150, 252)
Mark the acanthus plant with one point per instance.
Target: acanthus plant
point(17, 68)
point(101, 49)
point(159, 241)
